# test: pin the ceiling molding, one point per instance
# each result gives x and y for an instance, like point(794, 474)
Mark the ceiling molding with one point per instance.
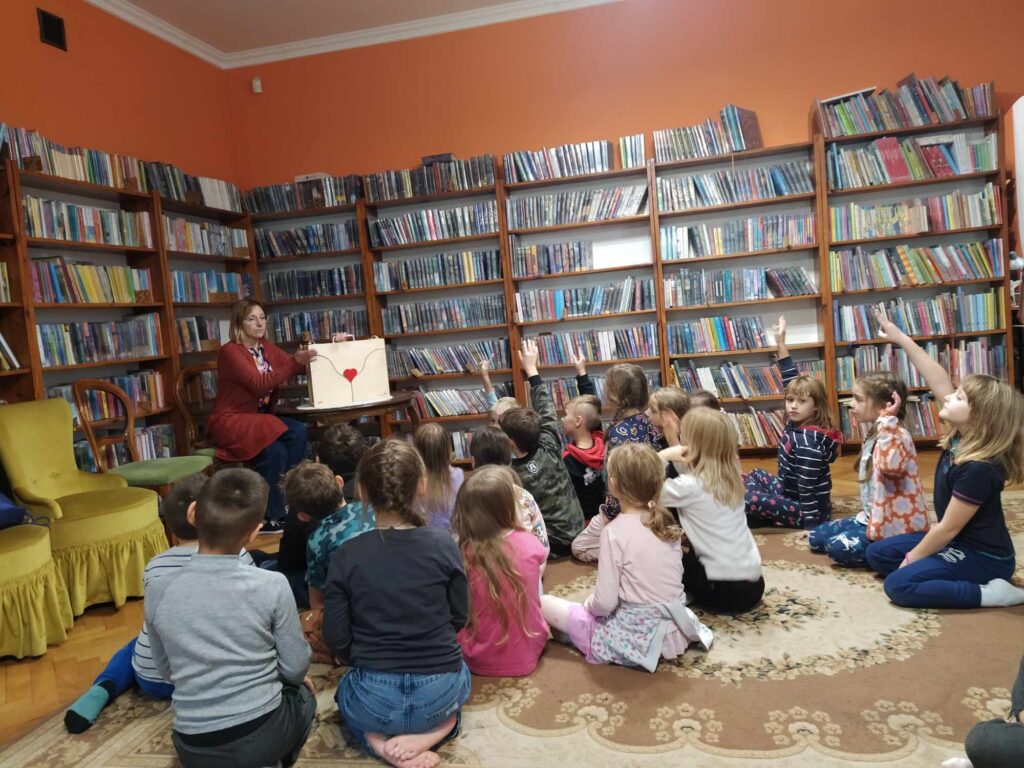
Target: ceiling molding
point(518, 9)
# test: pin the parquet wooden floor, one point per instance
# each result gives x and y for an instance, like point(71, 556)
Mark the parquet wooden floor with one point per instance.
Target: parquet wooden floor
point(33, 689)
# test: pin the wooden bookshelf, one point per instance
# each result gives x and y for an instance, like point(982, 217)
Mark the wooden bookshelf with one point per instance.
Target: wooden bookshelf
point(106, 363)
point(212, 258)
point(97, 305)
point(731, 157)
point(580, 225)
point(43, 182)
point(302, 213)
point(183, 208)
point(424, 244)
point(747, 303)
point(745, 352)
point(558, 181)
point(459, 194)
point(315, 299)
point(741, 254)
point(431, 288)
point(75, 245)
point(759, 203)
point(916, 130)
point(581, 272)
point(954, 179)
point(917, 235)
point(922, 286)
point(439, 376)
point(581, 318)
point(270, 261)
point(469, 329)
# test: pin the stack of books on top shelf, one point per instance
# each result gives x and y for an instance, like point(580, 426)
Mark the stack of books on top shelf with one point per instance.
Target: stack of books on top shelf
point(716, 334)
point(756, 233)
point(55, 281)
point(576, 207)
point(689, 287)
point(442, 175)
point(860, 270)
point(209, 286)
point(559, 162)
point(58, 220)
point(740, 381)
point(632, 151)
point(552, 258)
point(322, 324)
point(320, 237)
point(628, 295)
point(737, 185)
point(430, 224)
point(314, 283)
point(285, 198)
point(200, 334)
point(207, 237)
point(737, 131)
point(890, 160)
point(145, 389)
point(944, 313)
point(916, 103)
point(76, 343)
point(598, 346)
point(437, 269)
point(461, 357)
point(467, 312)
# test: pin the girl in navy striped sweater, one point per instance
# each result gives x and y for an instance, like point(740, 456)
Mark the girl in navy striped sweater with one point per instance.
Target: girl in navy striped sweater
point(799, 497)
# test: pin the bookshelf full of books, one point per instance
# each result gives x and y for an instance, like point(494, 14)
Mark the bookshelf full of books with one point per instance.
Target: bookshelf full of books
point(916, 227)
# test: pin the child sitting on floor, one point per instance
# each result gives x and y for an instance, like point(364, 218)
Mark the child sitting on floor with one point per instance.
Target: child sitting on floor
point(227, 637)
point(133, 664)
point(584, 452)
point(341, 447)
point(506, 632)
point(637, 613)
point(437, 501)
point(394, 600)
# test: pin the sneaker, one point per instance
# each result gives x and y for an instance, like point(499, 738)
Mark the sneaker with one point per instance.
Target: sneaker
point(272, 528)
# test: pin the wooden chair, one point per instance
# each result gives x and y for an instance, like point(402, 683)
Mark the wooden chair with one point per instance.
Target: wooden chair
point(158, 474)
point(194, 404)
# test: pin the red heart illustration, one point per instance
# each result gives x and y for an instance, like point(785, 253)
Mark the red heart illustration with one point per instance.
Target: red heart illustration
point(350, 373)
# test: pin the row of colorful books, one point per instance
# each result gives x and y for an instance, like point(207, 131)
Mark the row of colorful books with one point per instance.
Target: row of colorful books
point(937, 213)
point(205, 237)
point(460, 357)
point(736, 380)
point(322, 191)
point(632, 151)
point(716, 334)
point(116, 170)
point(598, 346)
point(448, 175)
point(737, 131)
point(628, 295)
point(963, 357)
point(575, 207)
point(430, 224)
point(552, 258)
point(54, 280)
point(755, 233)
point(437, 269)
point(945, 313)
point(196, 287)
point(314, 283)
point(558, 162)
point(736, 185)
point(320, 324)
point(311, 238)
point(145, 389)
point(59, 220)
point(890, 160)
point(758, 428)
point(922, 419)
point(859, 270)
point(467, 312)
point(196, 334)
point(698, 287)
point(92, 342)
point(454, 402)
point(152, 442)
point(916, 102)
point(562, 390)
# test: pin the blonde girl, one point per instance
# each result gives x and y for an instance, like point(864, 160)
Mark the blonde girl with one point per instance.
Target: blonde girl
point(394, 599)
point(722, 568)
point(966, 559)
point(637, 613)
point(800, 495)
point(665, 408)
point(891, 495)
point(506, 632)
point(437, 501)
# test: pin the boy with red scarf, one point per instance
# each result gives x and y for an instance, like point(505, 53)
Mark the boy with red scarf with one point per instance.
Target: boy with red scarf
point(584, 454)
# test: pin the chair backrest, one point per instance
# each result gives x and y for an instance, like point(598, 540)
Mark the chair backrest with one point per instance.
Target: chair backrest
point(36, 446)
point(97, 441)
point(195, 401)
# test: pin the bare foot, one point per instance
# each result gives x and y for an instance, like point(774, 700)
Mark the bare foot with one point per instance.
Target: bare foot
point(378, 745)
point(409, 745)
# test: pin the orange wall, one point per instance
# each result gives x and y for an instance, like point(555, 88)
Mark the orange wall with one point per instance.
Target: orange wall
point(603, 72)
point(117, 88)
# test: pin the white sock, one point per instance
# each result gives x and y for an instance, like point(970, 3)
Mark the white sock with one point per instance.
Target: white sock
point(999, 593)
point(957, 762)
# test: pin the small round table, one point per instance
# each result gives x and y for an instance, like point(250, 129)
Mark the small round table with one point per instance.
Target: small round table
point(344, 413)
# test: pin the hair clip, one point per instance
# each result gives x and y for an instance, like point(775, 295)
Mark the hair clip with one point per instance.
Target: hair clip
point(652, 504)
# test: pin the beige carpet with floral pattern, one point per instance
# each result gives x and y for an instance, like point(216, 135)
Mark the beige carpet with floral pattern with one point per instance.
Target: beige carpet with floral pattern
point(826, 673)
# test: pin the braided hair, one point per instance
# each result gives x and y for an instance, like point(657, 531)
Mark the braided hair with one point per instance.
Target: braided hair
point(389, 477)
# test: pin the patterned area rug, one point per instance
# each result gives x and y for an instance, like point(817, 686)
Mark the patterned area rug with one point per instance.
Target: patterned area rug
point(825, 673)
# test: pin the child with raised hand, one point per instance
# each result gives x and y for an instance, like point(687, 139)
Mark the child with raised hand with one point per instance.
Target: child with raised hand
point(892, 498)
point(966, 559)
point(395, 598)
point(722, 567)
point(437, 501)
point(537, 458)
point(584, 451)
point(800, 495)
point(637, 613)
point(490, 446)
point(506, 632)
point(227, 636)
point(133, 664)
point(496, 406)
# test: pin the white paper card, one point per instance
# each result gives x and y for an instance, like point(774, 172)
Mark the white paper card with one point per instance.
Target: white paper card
point(348, 373)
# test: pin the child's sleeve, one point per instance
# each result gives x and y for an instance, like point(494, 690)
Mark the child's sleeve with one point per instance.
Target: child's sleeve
point(606, 592)
point(808, 465)
point(788, 370)
point(317, 561)
point(585, 385)
point(337, 611)
point(490, 398)
point(541, 401)
point(894, 447)
point(532, 518)
point(293, 652)
point(587, 544)
point(678, 491)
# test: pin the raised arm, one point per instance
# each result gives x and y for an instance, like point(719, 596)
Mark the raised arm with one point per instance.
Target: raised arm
point(539, 397)
point(485, 378)
point(934, 374)
point(779, 329)
point(583, 382)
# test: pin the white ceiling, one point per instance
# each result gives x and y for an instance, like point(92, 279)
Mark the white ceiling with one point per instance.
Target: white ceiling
point(236, 33)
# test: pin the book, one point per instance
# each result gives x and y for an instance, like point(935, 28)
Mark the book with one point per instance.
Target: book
point(314, 283)
point(8, 360)
point(738, 130)
point(58, 220)
point(552, 258)
point(702, 190)
point(738, 381)
point(465, 312)
point(627, 295)
point(756, 233)
point(91, 342)
point(567, 160)
point(286, 198)
point(858, 269)
point(945, 313)
point(562, 390)
point(577, 206)
point(632, 151)
point(196, 334)
point(459, 357)
point(439, 176)
point(146, 389)
point(321, 237)
point(204, 237)
point(437, 269)
point(197, 287)
point(428, 224)
point(55, 281)
point(320, 324)
point(716, 334)
point(689, 287)
point(609, 345)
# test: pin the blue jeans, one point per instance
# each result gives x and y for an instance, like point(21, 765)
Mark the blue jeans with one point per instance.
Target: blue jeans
point(120, 672)
point(951, 578)
point(844, 540)
point(393, 703)
point(276, 459)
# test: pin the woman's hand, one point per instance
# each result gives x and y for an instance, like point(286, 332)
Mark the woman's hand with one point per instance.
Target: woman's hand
point(303, 356)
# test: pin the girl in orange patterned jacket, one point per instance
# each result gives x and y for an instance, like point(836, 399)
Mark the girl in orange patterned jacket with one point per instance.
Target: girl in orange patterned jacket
point(892, 499)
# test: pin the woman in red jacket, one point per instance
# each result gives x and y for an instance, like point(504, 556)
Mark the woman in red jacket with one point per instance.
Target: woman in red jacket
point(243, 425)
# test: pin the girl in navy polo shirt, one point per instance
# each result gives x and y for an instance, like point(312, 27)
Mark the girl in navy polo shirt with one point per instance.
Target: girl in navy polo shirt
point(965, 560)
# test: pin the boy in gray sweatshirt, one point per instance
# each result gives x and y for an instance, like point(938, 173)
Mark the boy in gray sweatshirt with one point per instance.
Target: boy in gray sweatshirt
point(227, 637)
